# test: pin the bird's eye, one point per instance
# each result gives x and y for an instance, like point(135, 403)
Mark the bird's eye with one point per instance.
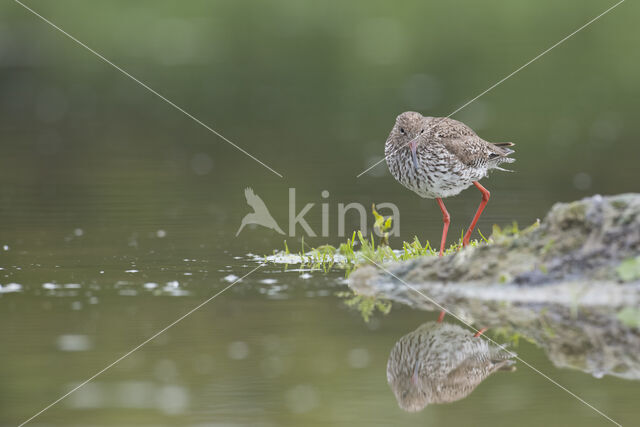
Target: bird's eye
point(401, 130)
point(422, 131)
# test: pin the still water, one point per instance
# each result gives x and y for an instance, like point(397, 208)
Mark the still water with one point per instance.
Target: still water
point(118, 215)
point(277, 348)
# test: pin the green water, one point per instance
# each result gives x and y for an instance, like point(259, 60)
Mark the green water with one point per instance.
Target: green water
point(118, 214)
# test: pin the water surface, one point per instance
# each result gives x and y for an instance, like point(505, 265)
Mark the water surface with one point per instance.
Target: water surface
point(118, 214)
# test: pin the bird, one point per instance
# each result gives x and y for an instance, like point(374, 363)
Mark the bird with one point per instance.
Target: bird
point(439, 157)
point(442, 362)
point(260, 214)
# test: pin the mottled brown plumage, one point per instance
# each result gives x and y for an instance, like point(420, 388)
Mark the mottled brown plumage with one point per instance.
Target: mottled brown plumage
point(439, 157)
point(449, 153)
point(441, 362)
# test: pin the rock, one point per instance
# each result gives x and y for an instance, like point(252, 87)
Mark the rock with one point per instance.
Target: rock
point(560, 284)
point(586, 239)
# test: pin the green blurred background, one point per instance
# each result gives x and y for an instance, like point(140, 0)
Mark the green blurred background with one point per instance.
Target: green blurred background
point(94, 169)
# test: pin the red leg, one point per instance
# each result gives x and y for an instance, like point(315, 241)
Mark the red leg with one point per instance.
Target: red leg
point(447, 220)
point(483, 203)
point(441, 316)
point(480, 332)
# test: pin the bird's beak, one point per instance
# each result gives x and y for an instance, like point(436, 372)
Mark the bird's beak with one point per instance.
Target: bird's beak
point(413, 145)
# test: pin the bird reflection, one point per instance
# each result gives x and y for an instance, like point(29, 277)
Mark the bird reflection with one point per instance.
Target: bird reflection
point(441, 362)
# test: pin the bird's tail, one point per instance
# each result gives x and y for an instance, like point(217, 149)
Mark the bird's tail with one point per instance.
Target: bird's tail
point(503, 151)
point(507, 365)
point(500, 154)
point(502, 358)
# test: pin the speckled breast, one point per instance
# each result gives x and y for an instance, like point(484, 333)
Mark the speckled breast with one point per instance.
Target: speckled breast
point(438, 174)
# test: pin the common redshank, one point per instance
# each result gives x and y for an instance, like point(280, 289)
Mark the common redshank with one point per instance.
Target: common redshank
point(441, 362)
point(438, 157)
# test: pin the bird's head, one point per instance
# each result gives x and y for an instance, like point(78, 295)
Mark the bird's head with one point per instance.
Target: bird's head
point(412, 391)
point(407, 376)
point(407, 131)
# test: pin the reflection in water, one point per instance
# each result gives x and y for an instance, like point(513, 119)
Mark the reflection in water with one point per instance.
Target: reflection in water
point(169, 399)
point(439, 363)
point(589, 325)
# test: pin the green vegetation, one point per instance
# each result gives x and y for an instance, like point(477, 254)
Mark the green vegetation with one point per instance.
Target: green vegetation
point(504, 334)
point(499, 235)
point(629, 316)
point(629, 269)
point(359, 250)
point(364, 304)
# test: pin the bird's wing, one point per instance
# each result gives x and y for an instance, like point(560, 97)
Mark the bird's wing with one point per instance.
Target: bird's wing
point(254, 200)
point(468, 149)
point(464, 144)
point(476, 364)
point(462, 380)
point(451, 128)
point(458, 382)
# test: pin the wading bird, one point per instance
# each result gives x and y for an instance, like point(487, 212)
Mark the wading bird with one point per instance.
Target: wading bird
point(442, 362)
point(438, 157)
